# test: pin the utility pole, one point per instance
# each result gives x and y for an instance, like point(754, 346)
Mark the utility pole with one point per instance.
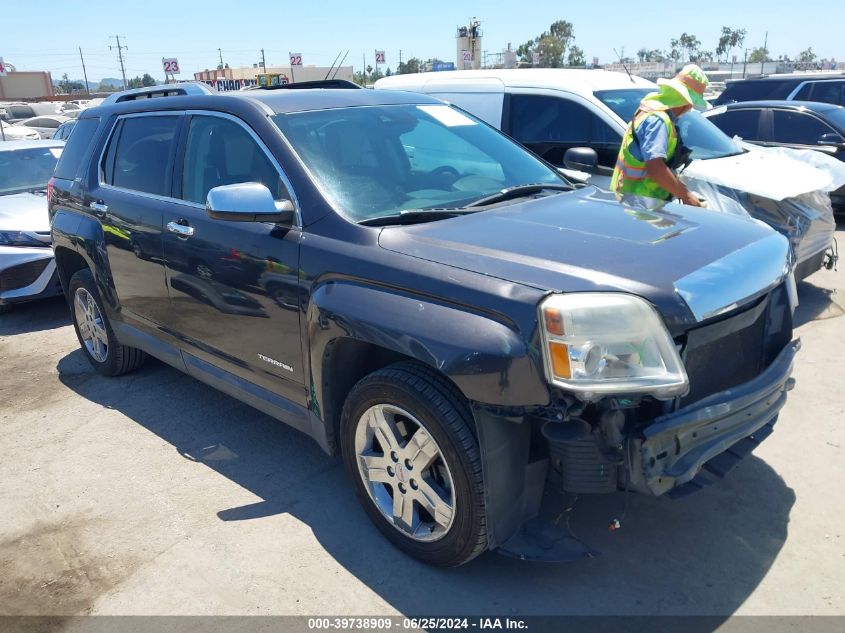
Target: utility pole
point(84, 73)
point(765, 51)
point(220, 52)
point(263, 61)
point(120, 57)
point(364, 68)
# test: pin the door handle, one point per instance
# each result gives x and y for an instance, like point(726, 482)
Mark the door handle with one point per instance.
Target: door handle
point(99, 208)
point(180, 229)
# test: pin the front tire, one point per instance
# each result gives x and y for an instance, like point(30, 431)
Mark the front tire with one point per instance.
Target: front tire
point(96, 337)
point(407, 443)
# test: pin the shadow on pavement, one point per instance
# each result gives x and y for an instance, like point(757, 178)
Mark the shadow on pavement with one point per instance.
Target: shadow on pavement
point(704, 554)
point(36, 316)
point(815, 302)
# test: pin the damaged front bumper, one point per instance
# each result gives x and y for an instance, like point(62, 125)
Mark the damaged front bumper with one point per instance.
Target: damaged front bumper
point(713, 434)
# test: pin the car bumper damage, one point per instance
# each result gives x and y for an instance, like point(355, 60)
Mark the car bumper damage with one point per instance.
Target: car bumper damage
point(27, 274)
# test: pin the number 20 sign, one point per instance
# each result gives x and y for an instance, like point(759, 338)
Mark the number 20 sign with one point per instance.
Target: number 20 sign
point(171, 66)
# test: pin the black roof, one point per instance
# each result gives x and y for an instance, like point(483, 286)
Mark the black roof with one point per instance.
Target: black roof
point(814, 106)
point(796, 77)
point(276, 101)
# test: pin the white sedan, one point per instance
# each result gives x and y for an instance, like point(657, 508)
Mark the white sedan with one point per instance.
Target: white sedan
point(17, 133)
point(45, 125)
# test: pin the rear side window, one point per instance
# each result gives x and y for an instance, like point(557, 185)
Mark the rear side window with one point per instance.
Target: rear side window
point(75, 148)
point(797, 127)
point(829, 92)
point(221, 152)
point(742, 123)
point(756, 89)
point(541, 119)
point(140, 154)
point(20, 111)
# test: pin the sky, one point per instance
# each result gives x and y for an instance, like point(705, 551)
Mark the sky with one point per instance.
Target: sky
point(192, 30)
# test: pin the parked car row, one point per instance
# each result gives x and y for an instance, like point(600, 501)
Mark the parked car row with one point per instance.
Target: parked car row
point(32, 121)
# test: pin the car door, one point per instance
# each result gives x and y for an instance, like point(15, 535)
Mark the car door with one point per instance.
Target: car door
point(234, 286)
point(129, 194)
point(550, 123)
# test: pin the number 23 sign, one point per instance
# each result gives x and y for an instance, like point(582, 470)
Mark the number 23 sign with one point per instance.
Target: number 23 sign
point(171, 66)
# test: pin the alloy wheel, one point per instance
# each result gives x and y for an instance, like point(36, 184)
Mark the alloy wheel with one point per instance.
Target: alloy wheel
point(91, 326)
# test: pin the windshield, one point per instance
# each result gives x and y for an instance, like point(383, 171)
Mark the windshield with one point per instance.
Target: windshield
point(27, 169)
point(701, 136)
point(375, 161)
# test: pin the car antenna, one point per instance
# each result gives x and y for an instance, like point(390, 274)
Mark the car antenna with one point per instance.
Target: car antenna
point(331, 68)
point(622, 61)
point(340, 64)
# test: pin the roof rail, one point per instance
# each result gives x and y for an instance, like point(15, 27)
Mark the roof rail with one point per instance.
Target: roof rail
point(188, 88)
point(319, 83)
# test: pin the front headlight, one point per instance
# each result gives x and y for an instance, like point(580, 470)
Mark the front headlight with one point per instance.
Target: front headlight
point(19, 238)
point(599, 343)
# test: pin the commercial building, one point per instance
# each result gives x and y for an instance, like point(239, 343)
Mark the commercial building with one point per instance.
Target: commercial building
point(236, 78)
point(25, 85)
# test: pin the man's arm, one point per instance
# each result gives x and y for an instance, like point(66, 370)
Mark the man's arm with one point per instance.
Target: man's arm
point(657, 170)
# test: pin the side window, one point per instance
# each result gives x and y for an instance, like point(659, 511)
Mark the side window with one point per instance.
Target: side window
point(829, 92)
point(804, 93)
point(742, 123)
point(44, 122)
point(221, 152)
point(797, 127)
point(541, 119)
point(75, 148)
point(140, 154)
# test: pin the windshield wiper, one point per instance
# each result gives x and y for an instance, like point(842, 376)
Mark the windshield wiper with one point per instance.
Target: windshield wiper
point(517, 192)
point(414, 216)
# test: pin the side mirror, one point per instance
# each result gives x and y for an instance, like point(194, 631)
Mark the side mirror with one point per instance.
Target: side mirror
point(581, 159)
point(831, 139)
point(247, 202)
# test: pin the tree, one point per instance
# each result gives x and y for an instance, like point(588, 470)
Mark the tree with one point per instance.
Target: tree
point(410, 66)
point(805, 57)
point(524, 51)
point(388, 73)
point(759, 55)
point(576, 57)
point(551, 45)
point(729, 40)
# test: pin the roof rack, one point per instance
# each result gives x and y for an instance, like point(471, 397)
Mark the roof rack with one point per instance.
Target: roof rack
point(320, 83)
point(188, 88)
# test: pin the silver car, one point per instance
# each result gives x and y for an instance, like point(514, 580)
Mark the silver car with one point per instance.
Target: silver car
point(27, 267)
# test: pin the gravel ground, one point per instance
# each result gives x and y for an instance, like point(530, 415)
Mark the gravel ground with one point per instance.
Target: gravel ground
point(154, 494)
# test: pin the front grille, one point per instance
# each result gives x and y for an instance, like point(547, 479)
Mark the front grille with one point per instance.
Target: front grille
point(22, 275)
point(737, 348)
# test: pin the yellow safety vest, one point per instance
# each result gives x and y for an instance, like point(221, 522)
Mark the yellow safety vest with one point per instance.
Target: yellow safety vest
point(629, 175)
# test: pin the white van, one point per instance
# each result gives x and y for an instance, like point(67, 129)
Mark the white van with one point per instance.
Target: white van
point(575, 119)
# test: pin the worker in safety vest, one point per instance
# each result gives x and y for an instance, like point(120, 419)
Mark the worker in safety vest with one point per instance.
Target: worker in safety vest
point(652, 149)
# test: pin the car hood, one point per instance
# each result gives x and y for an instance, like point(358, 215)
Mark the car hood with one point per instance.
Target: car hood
point(24, 212)
point(692, 264)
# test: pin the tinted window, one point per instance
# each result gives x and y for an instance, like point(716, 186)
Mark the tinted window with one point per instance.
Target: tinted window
point(20, 112)
point(829, 92)
point(43, 122)
point(75, 148)
point(27, 169)
point(755, 89)
point(742, 123)
point(797, 127)
point(221, 152)
point(541, 119)
point(140, 154)
point(804, 93)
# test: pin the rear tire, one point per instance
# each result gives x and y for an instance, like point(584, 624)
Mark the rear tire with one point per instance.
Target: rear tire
point(96, 337)
point(408, 431)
